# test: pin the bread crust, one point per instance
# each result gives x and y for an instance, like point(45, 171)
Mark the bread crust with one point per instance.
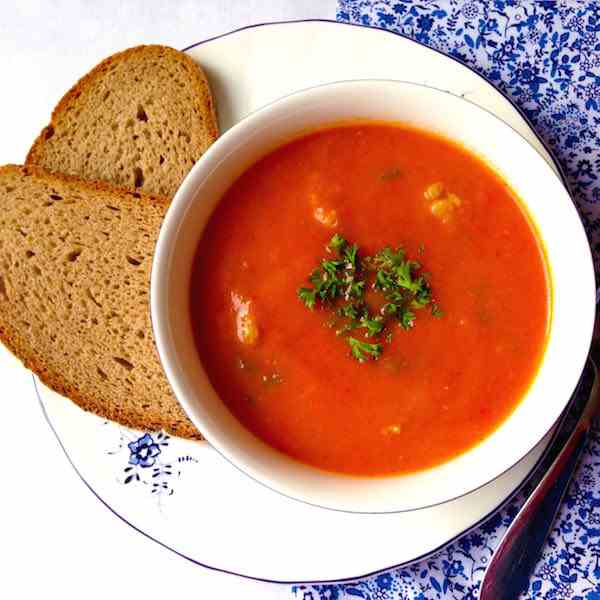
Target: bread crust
point(203, 95)
point(143, 419)
point(205, 105)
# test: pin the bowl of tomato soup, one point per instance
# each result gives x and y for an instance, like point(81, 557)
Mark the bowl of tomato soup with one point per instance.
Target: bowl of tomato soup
point(373, 296)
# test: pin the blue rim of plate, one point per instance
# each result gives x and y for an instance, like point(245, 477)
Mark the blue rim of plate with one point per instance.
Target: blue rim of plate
point(557, 425)
point(555, 161)
point(551, 448)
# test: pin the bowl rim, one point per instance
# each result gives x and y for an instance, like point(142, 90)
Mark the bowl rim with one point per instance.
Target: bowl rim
point(170, 228)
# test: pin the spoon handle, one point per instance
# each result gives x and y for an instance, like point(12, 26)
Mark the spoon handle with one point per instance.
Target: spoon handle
point(515, 558)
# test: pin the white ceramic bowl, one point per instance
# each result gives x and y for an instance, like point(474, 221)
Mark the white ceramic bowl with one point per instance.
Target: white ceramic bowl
point(529, 175)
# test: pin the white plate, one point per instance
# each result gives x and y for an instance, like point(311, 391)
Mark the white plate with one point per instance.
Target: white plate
point(190, 499)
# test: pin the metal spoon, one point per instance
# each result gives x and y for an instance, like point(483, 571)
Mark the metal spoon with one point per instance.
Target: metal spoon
point(515, 558)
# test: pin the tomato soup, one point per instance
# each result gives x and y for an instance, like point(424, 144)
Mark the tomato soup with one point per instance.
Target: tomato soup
point(435, 388)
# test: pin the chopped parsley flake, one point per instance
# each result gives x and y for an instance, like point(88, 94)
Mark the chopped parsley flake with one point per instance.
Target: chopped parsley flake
point(361, 351)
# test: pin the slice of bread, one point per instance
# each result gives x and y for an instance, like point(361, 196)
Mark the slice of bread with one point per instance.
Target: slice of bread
point(75, 260)
point(139, 120)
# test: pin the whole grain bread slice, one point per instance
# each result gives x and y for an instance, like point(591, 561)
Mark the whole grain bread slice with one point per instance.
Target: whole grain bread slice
point(75, 260)
point(140, 120)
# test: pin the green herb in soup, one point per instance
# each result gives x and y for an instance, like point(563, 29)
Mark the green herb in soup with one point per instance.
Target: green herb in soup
point(399, 282)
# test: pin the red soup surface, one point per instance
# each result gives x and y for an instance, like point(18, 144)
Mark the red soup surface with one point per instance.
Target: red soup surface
point(437, 389)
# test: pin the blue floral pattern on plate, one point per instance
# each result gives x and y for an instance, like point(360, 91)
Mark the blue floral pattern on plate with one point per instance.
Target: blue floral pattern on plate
point(147, 462)
point(144, 451)
point(546, 57)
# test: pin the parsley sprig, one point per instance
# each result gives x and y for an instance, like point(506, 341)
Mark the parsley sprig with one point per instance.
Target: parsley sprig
point(362, 350)
point(403, 285)
point(339, 283)
point(334, 278)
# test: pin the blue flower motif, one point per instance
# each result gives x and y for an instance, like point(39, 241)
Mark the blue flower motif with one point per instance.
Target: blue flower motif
point(384, 581)
point(470, 10)
point(454, 568)
point(143, 451)
point(584, 169)
point(528, 74)
point(424, 22)
point(385, 19)
point(492, 524)
point(564, 590)
point(471, 592)
point(547, 572)
point(569, 559)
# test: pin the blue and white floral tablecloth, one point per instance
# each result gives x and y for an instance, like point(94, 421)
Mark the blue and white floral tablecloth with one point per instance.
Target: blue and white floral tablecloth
point(545, 55)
